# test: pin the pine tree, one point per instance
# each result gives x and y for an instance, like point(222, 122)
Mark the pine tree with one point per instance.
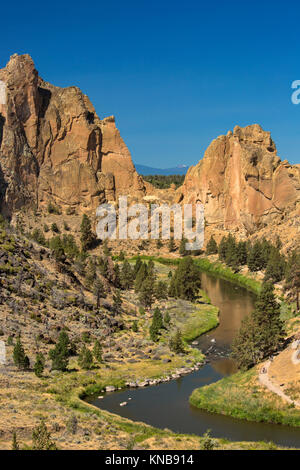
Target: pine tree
point(186, 282)
point(242, 253)
point(161, 290)
point(39, 365)
point(99, 291)
point(41, 438)
point(167, 319)
point(261, 333)
point(117, 302)
point(60, 354)
point(126, 276)
point(276, 266)
point(140, 277)
point(15, 444)
point(292, 278)
point(85, 359)
point(87, 237)
point(159, 244)
point(176, 343)
point(97, 351)
point(19, 356)
point(222, 249)
point(157, 325)
point(212, 247)
point(146, 294)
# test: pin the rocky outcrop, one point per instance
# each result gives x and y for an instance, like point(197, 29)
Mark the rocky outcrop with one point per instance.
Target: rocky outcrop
point(242, 182)
point(54, 147)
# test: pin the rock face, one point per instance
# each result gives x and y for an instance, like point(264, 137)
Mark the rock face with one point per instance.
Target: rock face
point(54, 147)
point(242, 182)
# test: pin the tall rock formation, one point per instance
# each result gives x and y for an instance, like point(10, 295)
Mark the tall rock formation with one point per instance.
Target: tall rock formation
point(54, 147)
point(242, 182)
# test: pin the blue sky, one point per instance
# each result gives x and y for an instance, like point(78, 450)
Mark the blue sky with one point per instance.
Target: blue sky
point(175, 74)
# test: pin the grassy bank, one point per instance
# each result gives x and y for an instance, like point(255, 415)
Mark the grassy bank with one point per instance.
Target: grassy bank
point(240, 396)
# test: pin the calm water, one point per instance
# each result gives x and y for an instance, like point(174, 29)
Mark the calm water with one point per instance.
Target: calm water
point(166, 405)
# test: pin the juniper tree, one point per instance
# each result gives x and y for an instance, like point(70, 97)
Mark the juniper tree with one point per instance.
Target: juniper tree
point(85, 359)
point(172, 246)
point(186, 281)
point(19, 356)
point(156, 325)
point(117, 302)
point(87, 237)
point(146, 293)
point(126, 276)
point(161, 290)
point(176, 343)
point(261, 333)
point(99, 291)
point(39, 365)
point(140, 277)
point(60, 354)
point(41, 438)
point(212, 247)
point(97, 351)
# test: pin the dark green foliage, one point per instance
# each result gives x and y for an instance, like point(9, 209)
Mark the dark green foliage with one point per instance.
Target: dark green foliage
point(117, 302)
point(87, 237)
point(159, 244)
point(140, 277)
point(167, 319)
point(19, 356)
point(212, 247)
point(157, 325)
point(41, 438)
point(97, 351)
point(122, 256)
point(176, 344)
point(98, 291)
point(106, 249)
point(60, 354)
point(85, 359)
point(57, 249)
point(292, 278)
point(54, 228)
point(276, 266)
point(186, 282)
point(39, 237)
point(39, 365)
point(146, 293)
point(53, 209)
point(126, 276)
point(164, 181)
point(135, 327)
point(261, 333)
point(161, 290)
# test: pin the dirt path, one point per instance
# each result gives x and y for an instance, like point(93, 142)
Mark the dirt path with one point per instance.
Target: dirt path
point(266, 381)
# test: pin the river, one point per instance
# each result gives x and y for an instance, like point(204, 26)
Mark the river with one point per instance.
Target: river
point(167, 405)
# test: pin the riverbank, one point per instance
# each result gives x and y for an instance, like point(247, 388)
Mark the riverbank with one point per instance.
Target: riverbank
point(242, 396)
point(215, 268)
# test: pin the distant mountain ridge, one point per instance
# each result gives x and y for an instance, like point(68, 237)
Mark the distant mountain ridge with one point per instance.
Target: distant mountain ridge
point(148, 170)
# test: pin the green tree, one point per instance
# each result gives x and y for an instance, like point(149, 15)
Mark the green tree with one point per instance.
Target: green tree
point(161, 290)
point(292, 278)
point(135, 328)
point(39, 365)
point(186, 281)
point(60, 354)
point(261, 333)
point(156, 325)
point(140, 277)
point(146, 294)
point(276, 266)
point(126, 276)
point(176, 343)
point(41, 438)
point(87, 237)
point(85, 359)
point(19, 356)
point(212, 247)
point(97, 351)
point(99, 291)
point(117, 302)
